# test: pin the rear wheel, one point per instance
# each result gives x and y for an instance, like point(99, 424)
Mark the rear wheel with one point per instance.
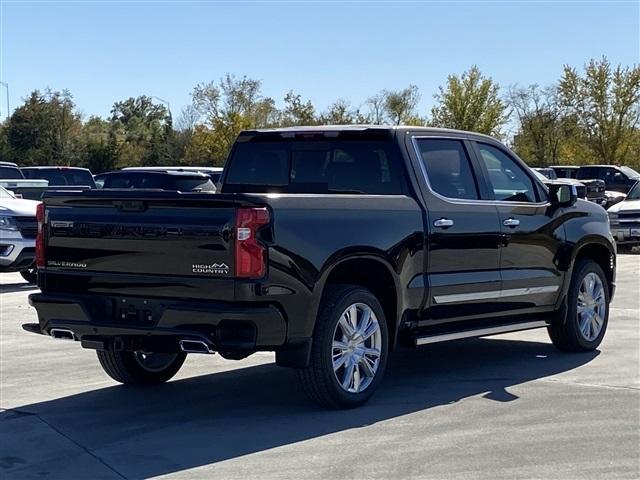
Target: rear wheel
point(349, 348)
point(30, 275)
point(140, 368)
point(587, 310)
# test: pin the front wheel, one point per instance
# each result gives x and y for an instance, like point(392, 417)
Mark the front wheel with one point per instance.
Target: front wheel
point(140, 368)
point(349, 348)
point(587, 310)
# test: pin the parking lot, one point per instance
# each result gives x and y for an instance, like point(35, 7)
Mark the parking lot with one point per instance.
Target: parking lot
point(509, 406)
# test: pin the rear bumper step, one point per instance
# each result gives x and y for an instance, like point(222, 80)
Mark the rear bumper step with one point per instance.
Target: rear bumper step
point(97, 322)
point(479, 332)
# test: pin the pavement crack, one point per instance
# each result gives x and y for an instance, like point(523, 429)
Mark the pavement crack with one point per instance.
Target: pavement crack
point(80, 446)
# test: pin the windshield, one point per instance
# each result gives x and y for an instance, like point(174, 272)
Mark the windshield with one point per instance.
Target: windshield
point(10, 173)
point(4, 193)
point(634, 193)
point(630, 172)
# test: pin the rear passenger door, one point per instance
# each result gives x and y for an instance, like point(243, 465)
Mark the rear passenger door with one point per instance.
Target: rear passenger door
point(462, 232)
point(531, 236)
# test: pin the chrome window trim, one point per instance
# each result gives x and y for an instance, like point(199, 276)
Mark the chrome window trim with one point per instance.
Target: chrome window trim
point(493, 294)
point(460, 201)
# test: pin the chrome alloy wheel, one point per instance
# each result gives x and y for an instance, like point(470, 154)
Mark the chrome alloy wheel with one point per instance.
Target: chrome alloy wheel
point(591, 307)
point(356, 348)
point(154, 362)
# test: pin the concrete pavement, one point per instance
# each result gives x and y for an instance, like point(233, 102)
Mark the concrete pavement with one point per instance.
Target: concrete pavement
point(504, 407)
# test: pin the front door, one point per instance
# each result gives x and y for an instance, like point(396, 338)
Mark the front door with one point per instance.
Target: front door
point(532, 235)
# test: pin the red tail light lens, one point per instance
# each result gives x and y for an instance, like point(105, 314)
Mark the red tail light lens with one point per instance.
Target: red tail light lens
point(40, 257)
point(250, 254)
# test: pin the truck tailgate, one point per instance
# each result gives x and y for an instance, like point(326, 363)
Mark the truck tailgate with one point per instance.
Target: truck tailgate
point(163, 234)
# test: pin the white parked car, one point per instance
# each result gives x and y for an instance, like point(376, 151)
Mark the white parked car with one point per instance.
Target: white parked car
point(624, 219)
point(18, 230)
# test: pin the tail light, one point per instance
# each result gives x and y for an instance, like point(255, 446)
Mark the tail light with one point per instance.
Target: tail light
point(40, 256)
point(250, 254)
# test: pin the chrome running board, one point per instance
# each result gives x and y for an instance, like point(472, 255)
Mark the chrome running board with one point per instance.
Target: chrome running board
point(479, 332)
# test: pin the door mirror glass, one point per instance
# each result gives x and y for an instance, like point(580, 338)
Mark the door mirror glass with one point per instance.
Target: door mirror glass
point(562, 195)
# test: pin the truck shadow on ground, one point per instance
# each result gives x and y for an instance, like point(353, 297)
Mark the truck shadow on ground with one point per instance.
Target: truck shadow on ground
point(203, 420)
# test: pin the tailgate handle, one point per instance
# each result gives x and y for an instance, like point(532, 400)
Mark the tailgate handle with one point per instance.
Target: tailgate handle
point(130, 206)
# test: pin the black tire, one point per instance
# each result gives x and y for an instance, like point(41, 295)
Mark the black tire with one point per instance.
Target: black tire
point(565, 333)
point(30, 275)
point(128, 367)
point(319, 380)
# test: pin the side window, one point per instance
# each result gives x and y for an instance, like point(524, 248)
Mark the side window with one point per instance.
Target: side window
point(589, 173)
point(614, 177)
point(508, 179)
point(448, 168)
point(118, 181)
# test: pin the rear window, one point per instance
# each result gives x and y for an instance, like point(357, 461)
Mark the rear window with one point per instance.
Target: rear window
point(10, 173)
point(119, 181)
point(566, 172)
point(588, 172)
point(60, 176)
point(194, 185)
point(360, 166)
point(159, 181)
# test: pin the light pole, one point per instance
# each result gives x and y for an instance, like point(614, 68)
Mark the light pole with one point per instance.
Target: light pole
point(6, 85)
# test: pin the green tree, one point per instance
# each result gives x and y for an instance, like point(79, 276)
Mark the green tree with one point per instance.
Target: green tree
point(141, 129)
point(470, 102)
point(400, 106)
point(99, 152)
point(227, 108)
point(296, 111)
point(605, 102)
point(339, 113)
point(541, 126)
point(44, 130)
point(6, 154)
point(375, 104)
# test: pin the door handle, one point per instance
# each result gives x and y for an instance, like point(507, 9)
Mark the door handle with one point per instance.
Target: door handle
point(511, 222)
point(443, 223)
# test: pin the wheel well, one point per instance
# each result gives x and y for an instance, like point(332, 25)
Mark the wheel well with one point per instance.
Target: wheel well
point(602, 256)
point(373, 276)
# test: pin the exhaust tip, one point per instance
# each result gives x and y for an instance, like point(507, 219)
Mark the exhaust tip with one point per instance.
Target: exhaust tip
point(62, 334)
point(195, 346)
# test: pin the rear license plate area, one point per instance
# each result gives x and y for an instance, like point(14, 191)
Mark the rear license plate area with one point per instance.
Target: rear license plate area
point(136, 311)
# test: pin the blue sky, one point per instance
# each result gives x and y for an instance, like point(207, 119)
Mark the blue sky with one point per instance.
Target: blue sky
point(104, 52)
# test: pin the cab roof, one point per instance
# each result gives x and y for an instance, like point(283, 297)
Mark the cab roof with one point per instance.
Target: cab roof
point(337, 129)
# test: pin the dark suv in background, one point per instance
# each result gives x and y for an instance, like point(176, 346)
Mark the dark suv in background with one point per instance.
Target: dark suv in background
point(61, 176)
point(619, 179)
point(592, 189)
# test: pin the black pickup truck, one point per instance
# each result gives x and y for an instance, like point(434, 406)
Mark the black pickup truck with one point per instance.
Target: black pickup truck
point(330, 246)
